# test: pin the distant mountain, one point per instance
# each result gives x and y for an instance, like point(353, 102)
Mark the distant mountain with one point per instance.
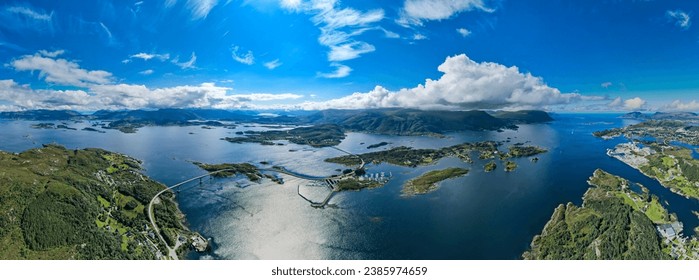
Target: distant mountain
point(523, 117)
point(634, 115)
point(42, 115)
point(393, 121)
point(662, 116)
point(418, 122)
point(675, 116)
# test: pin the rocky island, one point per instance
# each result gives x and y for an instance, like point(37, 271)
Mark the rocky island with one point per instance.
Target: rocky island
point(429, 181)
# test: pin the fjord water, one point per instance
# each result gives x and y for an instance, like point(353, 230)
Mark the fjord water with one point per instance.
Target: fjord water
point(479, 216)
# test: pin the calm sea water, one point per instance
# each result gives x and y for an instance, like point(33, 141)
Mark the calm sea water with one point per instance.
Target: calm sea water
point(479, 216)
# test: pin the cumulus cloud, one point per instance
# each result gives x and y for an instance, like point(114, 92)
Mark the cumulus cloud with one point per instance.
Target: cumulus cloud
point(341, 71)
point(146, 72)
point(678, 105)
point(339, 28)
point(242, 57)
point(681, 19)
point(631, 104)
point(415, 12)
point(463, 31)
point(59, 70)
point(272, 64)
point(199, 8)
point(465, 84)
point(634, 103)
point(606, 84)
point(129, 96)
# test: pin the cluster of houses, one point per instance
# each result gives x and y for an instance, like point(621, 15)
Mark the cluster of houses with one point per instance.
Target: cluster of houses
point(378, 176)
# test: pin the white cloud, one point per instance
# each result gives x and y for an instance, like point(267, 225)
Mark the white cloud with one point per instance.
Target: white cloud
point(200, 8)
point(678, 105)
point(60, 71)
point(339, 28)
point(27, 12)
point(149, 56)
point(341, 71)
point(51, 54)
point(463, 31)
point(606, 84)
point(273, 64)
point(128, 96)
point(419, 37)
point(389, 34)
point(244, 58)
point(264, 96)
point(681, 18)
point(349, 51)
point(146, 72)
point(187, 64)
point(415, 12)
point(107, 31)
point(634, 103)
point(465, 84)
point(617, 102)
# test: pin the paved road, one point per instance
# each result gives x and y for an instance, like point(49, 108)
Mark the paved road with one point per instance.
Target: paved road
point(171, 251)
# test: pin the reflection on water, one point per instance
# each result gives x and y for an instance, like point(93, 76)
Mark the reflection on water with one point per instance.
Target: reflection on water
point(478, 216)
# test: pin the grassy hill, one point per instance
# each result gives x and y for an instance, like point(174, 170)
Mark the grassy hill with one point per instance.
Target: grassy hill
point(79, 204)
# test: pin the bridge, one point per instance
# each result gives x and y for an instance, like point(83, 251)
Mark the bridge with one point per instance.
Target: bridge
point(330, 181)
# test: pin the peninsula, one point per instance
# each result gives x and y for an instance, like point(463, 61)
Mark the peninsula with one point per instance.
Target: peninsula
point(83, 204)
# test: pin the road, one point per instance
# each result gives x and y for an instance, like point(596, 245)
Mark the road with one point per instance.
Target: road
point(171, 251)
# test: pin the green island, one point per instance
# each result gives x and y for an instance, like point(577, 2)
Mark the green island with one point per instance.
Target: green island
point(317, 136)
point(83, 204)
point(612, 223)
point(510, 166)
point(430, 180)
point(490, 166)
point(377, 145)
point(406, 156)
point(231, 169)
point(672, 166)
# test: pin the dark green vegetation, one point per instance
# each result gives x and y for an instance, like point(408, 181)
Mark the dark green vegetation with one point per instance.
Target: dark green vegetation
point(79, 204)
point(373, 146)
point(418, 122)
point(406, 156)
point(350, 184)
point(316, 136)
point(429, 181)
point(232, 169)
point(609, 225)
point(490, 166)
point(93, 130)
point(674, 168)
point(510, 166)
point(517, 151)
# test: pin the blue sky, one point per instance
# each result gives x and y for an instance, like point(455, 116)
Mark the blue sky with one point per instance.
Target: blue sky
point(295, 54)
